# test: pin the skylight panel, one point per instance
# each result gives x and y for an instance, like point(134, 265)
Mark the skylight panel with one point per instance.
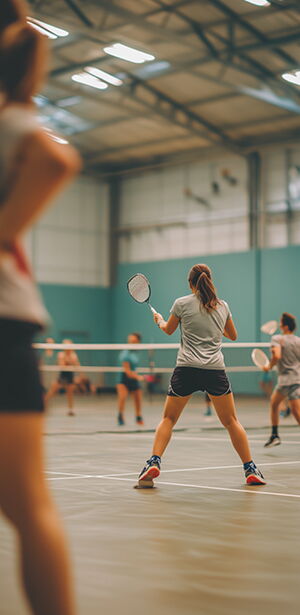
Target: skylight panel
point(86, 79)
point(57, 32)
point(293, 77)
point(101, 74)
point(259, 2)
point(128, 53)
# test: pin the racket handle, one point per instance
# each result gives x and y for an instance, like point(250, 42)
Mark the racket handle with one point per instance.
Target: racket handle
point(152, 309)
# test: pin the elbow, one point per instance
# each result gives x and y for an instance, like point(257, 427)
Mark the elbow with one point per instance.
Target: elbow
point(67, 165)
point(234, 336)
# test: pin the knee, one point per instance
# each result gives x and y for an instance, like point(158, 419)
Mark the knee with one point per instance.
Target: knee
point(274, 406)
point(171, 420)
point(25, 511)
point(229, 422)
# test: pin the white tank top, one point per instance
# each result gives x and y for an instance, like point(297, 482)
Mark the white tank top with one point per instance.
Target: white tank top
point(19, 297)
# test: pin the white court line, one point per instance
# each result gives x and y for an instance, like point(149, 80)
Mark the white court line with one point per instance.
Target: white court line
point(70, 475)
point(245, 490)
point(209, 439)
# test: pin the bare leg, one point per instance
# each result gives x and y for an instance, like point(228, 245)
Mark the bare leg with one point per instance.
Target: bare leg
point(225, 409)
point(137, 399)
point(276, 399)
point(122, 396)
point(267, 388)
point(295, 408)
point(27, 504)
point(172, 412)
point(70, 397)
point(54, 387)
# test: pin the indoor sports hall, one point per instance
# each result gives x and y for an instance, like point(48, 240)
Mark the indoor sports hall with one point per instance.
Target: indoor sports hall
point(186, 116)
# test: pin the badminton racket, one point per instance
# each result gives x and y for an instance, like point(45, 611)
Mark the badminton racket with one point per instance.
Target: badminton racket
point(140, 290)
point(259, 358)
point(270, 327)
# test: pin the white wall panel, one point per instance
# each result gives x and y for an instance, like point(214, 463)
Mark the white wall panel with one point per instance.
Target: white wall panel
point(69, 245)
point(279, 229)
point(161, 221)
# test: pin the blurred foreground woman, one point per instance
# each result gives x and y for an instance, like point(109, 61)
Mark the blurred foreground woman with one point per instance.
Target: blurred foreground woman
point(33, 168)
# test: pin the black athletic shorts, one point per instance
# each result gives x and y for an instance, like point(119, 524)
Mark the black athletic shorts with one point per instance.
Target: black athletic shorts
point(188, 380)
point(132, 384)
point(20, 385)
point(66, 378)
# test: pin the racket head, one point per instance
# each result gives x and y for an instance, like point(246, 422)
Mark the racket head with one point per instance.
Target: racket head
point(259, 358)
point(269, 327)
point(139, 288)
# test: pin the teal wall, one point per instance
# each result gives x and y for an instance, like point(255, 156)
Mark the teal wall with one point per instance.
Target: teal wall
point(83, 312)
point(280, 290)
point(258, 286)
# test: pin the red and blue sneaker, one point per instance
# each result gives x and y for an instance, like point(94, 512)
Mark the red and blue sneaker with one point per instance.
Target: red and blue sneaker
point(253, 475)
point(150, 471)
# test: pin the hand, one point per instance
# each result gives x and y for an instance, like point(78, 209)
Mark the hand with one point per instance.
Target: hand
point(157, 317)
point(266, 368)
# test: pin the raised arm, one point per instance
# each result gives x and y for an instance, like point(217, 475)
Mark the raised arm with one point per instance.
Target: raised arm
point(169, 326)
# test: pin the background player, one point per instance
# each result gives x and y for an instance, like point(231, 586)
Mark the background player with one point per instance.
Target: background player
point(65, 358)
point(285, 349)
point(130, 381)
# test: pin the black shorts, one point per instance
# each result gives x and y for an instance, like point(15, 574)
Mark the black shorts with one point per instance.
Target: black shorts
point(66, 378)
point(188, 380)
point(132, 384)
point(20, 385)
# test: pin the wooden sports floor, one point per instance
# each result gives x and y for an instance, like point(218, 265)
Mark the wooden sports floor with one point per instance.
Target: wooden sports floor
point(201, 543)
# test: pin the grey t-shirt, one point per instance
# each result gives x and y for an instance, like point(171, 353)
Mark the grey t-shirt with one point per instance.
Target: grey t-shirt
point(201, 333)
point(289, 364)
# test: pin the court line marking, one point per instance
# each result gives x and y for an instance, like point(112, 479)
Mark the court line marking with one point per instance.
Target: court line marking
point(69, 475)
point(245, 490)
point(208, 439)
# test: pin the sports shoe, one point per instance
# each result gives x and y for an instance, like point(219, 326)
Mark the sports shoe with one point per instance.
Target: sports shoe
point(150, 471)
point(139, 420)
point(254, 476)
point(273, 441)
point(120, 419)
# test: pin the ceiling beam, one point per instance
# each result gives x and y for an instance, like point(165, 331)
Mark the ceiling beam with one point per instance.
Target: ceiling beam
point(79, 13)
point(243, 23)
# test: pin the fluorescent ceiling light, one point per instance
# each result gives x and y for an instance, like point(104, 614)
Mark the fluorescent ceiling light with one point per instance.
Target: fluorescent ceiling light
point(128, 53)
point(55, 137)
point(42, 30)
point(101, 74)
point(86, 79)
point(292, 77)
point(48, 28)
point(259, 2)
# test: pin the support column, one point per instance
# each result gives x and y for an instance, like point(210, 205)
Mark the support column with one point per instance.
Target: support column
point(254, 187)
point(114, 215)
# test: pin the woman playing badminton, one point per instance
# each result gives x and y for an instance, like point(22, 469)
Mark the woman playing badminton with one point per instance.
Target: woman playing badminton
point(203, 319)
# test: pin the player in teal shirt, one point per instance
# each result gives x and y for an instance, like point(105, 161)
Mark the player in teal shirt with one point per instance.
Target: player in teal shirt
point(129, 381)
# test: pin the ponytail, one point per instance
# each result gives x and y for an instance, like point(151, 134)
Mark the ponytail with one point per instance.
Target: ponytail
point(11, 11)
point(200, 279)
